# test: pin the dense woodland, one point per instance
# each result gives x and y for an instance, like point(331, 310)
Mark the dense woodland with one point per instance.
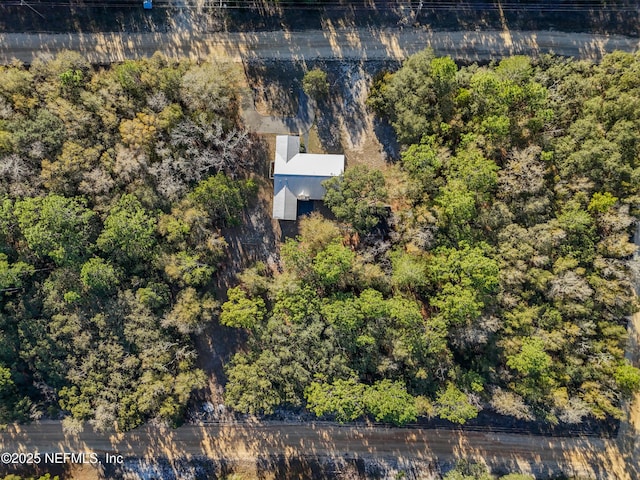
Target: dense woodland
point(489, 268)
point(114, 184)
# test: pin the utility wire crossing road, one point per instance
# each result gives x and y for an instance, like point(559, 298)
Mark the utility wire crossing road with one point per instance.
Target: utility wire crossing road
point(354, 43)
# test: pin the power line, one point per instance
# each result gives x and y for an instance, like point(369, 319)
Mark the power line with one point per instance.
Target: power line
point(25, 4)
point(572, 6)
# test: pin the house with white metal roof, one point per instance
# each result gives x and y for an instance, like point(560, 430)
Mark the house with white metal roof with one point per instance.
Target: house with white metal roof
point(299, 176)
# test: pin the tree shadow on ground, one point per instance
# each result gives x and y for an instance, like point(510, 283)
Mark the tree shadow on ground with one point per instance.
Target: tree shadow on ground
point(337, 106)
point(275, 86)
point(387, 138)
point(339, 466)
point(343, 119)
point(328, 127)
point(619, 17)
point(175, 469)
point(609, 18)
point(82, 18)
point(253, 240)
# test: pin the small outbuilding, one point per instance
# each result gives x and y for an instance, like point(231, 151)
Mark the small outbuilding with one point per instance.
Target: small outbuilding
point(299, 176)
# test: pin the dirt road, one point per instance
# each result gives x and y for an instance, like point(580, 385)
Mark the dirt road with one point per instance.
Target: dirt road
point(313, 44)
point(589, 457)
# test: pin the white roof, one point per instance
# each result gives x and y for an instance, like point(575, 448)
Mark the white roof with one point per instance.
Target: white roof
point(299, 176)
point(285, 205)
point(290, 162)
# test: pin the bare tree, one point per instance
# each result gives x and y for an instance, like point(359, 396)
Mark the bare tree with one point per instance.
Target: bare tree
point(195, 150)
point(574, 411)
point(157, 101)
point(96, 182)
point(130, 163)
point(6, 111)
point(570, 285)
point(17, 176)
point(509, 403)
point(209, 147)
point(523, 174)
point(210, 87)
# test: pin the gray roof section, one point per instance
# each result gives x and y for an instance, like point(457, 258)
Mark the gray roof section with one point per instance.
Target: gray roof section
point(287, 146)
point(285, 205)
point(303, 187)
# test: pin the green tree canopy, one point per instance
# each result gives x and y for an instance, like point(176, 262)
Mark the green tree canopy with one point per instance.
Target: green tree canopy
point(241, 311)
point(453, 405)
point(315, 84)
point(357, 197)
point(129, 232)
point(56, 227)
